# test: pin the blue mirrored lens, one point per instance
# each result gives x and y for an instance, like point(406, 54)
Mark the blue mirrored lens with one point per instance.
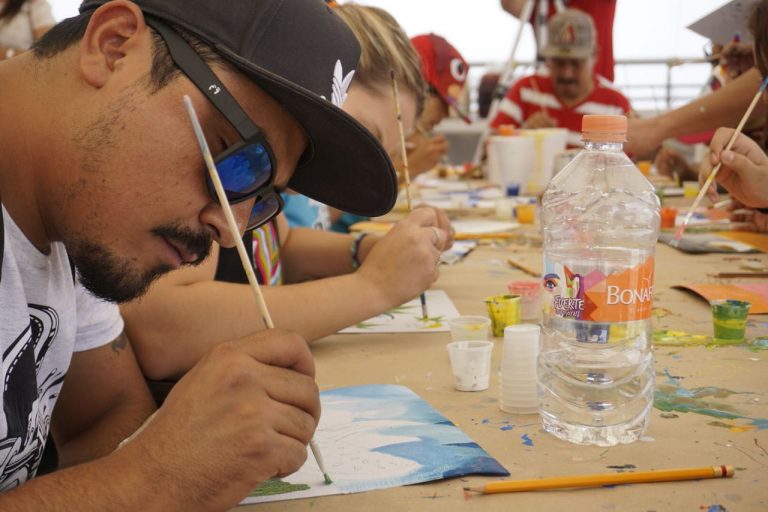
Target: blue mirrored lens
point(263, 210)
point(244, 170)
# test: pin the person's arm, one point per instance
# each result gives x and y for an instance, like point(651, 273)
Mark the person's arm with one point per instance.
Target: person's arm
point(202, 312)
point(244, 414)
point(103, 400)
point(724, 107)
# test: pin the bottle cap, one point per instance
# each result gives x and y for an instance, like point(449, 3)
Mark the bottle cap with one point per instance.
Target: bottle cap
point(604, 128)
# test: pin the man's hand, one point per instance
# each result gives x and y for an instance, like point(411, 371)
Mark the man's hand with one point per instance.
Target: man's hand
point(404, 262)
point(539, 120)
point(243, 414)
point(744, 171)
point(736, 58)
point(670, 163)
point(425, 152)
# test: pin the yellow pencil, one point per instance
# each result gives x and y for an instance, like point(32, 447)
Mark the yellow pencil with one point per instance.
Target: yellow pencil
point(600, 480)
point(235, 232)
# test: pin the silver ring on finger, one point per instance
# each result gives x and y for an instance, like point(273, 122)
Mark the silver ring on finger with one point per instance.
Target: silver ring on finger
point(438, 237)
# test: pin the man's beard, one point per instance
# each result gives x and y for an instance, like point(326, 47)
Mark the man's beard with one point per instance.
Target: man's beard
point(110, 277)
point(567, 89)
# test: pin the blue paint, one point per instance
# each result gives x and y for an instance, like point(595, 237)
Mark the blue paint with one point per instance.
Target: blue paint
point(716, 508)
point(507, 427)
point(527, 441)
point(485, 421)
point(672, 396)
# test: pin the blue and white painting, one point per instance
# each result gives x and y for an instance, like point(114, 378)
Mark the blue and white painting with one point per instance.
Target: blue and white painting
point(379, 436)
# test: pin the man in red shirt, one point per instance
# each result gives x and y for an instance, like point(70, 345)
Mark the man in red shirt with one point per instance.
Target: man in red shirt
point(569, 89)
point(602, 12)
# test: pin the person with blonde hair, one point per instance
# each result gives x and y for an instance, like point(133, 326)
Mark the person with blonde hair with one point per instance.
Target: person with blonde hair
point(330, 280)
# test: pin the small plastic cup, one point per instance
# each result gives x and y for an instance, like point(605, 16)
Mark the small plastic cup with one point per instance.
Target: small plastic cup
point(525, 213)
point(469, 327)
point(729, 318)
point(505, 206)
point(530, 298)
point(690, 189)
point(470, 364)
point(504, 310)
point(668, 216)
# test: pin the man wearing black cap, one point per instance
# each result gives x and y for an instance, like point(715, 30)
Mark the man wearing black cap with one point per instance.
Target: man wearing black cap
point(103, 189)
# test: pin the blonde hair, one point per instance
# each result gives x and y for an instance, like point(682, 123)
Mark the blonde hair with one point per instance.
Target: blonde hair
point(384, 47)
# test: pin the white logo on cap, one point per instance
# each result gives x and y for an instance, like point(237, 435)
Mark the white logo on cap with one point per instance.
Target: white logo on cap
point(339, 85)
point(215, 88)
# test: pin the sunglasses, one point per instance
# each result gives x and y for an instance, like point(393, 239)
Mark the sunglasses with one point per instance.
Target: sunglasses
point(247, 169)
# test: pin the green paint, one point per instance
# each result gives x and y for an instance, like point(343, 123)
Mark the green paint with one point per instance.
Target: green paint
point(277, 486)
point(730, 319)
point(671, 338)
point(672, 397)
point(327, 479)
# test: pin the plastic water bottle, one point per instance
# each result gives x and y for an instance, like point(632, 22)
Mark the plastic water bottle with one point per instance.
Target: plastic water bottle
point(600, 219)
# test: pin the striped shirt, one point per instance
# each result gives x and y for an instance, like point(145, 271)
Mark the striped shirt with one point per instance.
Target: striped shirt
point(523, 100)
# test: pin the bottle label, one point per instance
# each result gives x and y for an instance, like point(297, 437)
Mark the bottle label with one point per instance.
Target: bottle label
point(596, 297)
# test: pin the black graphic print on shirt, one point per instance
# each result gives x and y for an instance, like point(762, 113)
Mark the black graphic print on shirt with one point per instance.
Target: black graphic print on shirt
point(28, 398)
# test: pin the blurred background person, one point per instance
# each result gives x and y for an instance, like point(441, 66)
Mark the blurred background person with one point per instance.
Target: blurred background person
point(22, 22)
point(602, 12)
point(568, 88)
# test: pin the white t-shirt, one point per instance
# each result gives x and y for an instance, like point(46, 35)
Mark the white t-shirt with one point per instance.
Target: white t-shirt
point(18, 32)
point(44, 318)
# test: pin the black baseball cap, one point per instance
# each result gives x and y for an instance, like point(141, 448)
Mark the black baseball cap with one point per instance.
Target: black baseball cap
point(302, 55)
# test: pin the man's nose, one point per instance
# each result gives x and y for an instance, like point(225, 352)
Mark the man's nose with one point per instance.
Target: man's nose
point(214, 216)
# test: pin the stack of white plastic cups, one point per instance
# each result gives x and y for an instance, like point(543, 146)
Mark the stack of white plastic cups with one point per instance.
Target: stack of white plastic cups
point(518, 380)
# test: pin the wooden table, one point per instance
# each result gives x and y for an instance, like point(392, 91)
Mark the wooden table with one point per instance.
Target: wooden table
point(734, 376)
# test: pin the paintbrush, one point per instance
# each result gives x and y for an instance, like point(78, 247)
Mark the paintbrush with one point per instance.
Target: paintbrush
point(600, 480)
point(713, 174)
point(406, 174)
point(235, 232)
point(522, 266)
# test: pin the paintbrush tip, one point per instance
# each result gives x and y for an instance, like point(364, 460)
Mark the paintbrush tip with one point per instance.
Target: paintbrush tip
point(327, 479)
point(392, 74)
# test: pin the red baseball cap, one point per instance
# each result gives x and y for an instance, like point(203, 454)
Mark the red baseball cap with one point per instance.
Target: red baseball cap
point(441, 65)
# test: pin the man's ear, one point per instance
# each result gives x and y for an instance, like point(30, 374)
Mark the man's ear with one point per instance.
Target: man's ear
point(114, 29)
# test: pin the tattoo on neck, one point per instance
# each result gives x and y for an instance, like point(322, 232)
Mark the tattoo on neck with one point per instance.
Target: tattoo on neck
point(120, 343)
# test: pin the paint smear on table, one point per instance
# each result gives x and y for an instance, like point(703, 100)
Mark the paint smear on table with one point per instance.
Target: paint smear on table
point(673, 338)
point(671, 396)
point(407, 318)
point(527, 441)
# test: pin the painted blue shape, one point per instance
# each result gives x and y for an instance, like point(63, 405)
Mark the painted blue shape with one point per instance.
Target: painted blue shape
point(507, 427)
point(527, 441)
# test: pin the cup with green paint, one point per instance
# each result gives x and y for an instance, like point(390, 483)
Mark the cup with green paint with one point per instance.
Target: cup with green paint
point(729, 317)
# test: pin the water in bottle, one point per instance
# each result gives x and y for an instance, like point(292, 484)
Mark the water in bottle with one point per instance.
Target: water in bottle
point(600, 220)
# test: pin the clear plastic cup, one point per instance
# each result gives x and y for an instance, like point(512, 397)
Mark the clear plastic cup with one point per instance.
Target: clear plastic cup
point(468, 327)
point(470, 364)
